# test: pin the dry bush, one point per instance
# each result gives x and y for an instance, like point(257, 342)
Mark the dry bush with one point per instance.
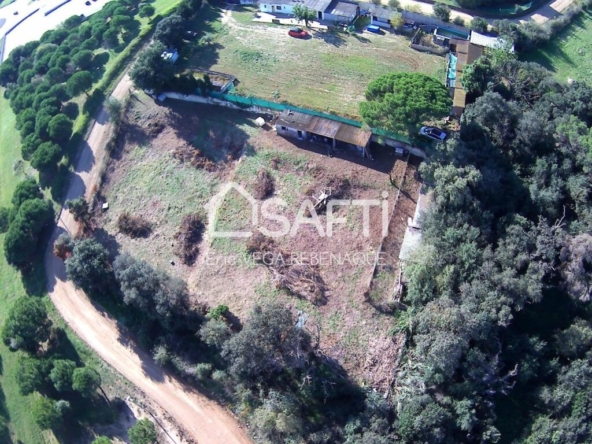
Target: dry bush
point(188, 238)
point(274, 164)
point(188, 154)
point(133, 226)
point(301, 279)
point(264, 185)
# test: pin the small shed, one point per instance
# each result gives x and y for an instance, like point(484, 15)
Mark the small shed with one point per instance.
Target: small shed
point(305, 127)
point(487, 41)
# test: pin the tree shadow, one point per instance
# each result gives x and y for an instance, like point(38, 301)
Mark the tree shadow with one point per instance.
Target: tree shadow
point(334, 38)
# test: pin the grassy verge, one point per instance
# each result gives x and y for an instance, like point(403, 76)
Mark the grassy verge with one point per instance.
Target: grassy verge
point(568, 55)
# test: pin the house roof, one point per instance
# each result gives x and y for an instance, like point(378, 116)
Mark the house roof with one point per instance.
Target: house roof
point(277, 2)
point(324, 127)
point(343, 9)
point(488, 41)
point(315, 5)
point(376, 11)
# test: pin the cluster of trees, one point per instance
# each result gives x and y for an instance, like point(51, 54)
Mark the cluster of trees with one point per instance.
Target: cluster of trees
point(24, 223)
point(500, 328)
point(403, 101)
point(60, 384)
point(150, 71)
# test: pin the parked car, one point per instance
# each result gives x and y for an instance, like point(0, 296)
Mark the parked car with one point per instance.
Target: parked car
point(373, 28)
point(432, 133)
point(15, 13)
point(299, 33)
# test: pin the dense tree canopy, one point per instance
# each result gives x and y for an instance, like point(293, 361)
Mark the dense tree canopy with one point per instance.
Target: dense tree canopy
point(143, 432)
point(89, 266)
point(403, 101)
point(27, 324)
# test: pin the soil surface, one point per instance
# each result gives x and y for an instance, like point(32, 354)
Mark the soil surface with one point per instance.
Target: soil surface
point(203, 420)
point(152, 174)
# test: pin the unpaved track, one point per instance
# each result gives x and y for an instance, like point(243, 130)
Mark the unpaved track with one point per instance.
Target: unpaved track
point(204, 420)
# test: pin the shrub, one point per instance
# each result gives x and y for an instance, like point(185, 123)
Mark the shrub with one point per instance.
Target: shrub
point(478, 24)
point(143, 432)
point(188, 238)
point(63, 246)
point(442, 12)
point(264, 185)
point(133, 226)
point(203, 370)
point(27, 324)
point(458, 21)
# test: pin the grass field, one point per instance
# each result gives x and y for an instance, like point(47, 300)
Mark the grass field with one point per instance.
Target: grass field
point(327, 72)
point(569, 54)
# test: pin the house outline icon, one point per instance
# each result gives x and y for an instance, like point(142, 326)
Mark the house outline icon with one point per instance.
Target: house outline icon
point(214, 205)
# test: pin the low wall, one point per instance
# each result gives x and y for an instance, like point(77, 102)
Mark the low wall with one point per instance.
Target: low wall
point(429, 49)
point(57, 7)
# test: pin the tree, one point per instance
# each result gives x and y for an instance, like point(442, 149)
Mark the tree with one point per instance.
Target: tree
point(79, 210)
point(403, 101)
point(61, 374)
point(149, 71)
point(89, 266)
point(397, 20)
point(86, 380)
point(268, 344)
point(113, 109)
point(28, 189)
point(111, 37)
point(394, 4)
point(303, 13)
point(120, 22)
point(60, 128)
point(83, 59)
point(143, 432)
point(46, 157)
point(147, 11)
point(169, 31)
point(20, 242)
point(5, 219)
point(102, 440)
point(442, 12)
point(459, 21)
point(31, 374)
point(478, 24)
point(80, 82)
point(27, 324)
point(55, 76)
point(44, 413)
point(214, 332)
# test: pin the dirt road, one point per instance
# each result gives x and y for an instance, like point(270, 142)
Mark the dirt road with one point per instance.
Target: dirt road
point(545, 12)
point(204, 420)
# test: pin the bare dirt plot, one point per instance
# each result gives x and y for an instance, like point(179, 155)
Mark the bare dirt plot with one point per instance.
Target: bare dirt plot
point(328, 72)
point(146, 179)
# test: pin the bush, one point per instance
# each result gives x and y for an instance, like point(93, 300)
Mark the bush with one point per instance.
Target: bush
point(61, 374)
point(113, 107)
point(89, 266)
point(458, 21)
point(4, 219)
point(133, 226)
point(46, 157)
point(478, 24)
point(60, 128)
point(86, 381)
point(63, 246)
point(221, 311)
point(161, 355)
point(188, 238)
point(143, 432)
point(203, 370)
point(44, 413)
point(442, 12)
point(264, 185)
point(147, 11)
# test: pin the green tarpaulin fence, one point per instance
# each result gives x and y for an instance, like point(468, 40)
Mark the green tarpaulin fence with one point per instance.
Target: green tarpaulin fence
point(247, 102)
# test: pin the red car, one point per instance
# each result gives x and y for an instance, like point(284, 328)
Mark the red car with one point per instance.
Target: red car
point(298, 33)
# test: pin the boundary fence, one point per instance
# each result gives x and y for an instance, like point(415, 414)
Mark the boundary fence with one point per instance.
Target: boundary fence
point(248, 102)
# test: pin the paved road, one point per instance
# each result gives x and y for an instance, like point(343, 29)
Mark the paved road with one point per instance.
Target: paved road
point(204, 420)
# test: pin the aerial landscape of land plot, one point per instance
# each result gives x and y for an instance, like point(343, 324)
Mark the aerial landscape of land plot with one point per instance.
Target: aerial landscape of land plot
point(146, 172)
point(327, 72)
point(290, 222)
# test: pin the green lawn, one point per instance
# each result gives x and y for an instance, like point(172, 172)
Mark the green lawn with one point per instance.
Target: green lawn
point(328, 72)
point(569, 54)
